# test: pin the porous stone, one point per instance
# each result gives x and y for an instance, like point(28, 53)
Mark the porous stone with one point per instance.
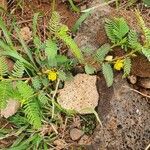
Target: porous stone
point(79, 94)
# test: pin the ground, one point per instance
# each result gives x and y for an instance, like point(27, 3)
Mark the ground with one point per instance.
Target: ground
point(124, 108)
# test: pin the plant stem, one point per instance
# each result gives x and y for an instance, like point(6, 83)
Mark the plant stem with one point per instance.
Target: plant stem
point(53, 5)
point(14, 79)
point(53, 97)
point(125, 56)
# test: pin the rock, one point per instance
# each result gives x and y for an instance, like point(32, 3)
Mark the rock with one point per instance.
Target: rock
point(125, 116)
point(85, 140)
point(79, 94)
point(132, 79)
point(76, 134)
point(145, 83)
point(10, 109)
point(60, 144)
point(3, 4)
point(26, 33)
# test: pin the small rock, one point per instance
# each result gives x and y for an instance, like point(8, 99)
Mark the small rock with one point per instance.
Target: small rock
point(79, 94)
point(3, 4)
point(145, 83)
point(10, 109)
point(76, 134)
point(60, 144)
point(26, 33)
point(85, 140)
point(132, 79)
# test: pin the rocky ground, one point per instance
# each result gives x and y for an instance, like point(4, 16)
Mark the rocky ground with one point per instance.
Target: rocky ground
point(124, 108)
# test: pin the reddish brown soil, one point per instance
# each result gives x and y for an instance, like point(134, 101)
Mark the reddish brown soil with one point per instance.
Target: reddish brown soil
point(25, 14)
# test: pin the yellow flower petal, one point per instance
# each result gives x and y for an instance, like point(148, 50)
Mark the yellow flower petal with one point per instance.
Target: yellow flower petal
point(52, 75)
point(119, 64)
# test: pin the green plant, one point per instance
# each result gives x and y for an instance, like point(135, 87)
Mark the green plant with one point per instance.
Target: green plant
point(36, 70)
point(121, 35)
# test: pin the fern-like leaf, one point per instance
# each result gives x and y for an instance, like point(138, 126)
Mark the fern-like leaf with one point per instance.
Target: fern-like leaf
point(146, 53)
point(116, 29)
point(18, 69)
point(32, 112)
point(54, 23)
point(133, 40)
point(30, 104)
point(146, 30)
point(108, 73)
point(5, 89)
point(51, 51)
point(102, 52)
point(67, 39)
point(127, 67)
point(43, 99)
point(25, 91)
point(61, 32)
point(89, 69)
point(36, 82)
point(3, 67)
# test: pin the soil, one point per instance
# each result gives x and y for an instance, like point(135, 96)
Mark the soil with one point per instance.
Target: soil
point(125, 114)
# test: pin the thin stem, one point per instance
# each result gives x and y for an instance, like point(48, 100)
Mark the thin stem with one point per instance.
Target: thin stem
point(125, 56)
point(53, 5)
point(53, 97)
point(14, 79)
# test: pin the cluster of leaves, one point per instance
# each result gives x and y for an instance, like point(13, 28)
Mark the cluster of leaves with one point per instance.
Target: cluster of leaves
point(37, 68)
point(121, 35)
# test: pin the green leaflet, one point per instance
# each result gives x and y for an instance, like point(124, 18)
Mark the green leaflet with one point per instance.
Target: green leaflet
point(146, 52)
point(127, 67)
point(133, 40)
point(18, 70)
point(3, 67)
point(61, 32)
point(5, 90)
point(30, 104)
point(89, 69)
point(43, 98)
point(32, 112)
point(25, 91)
point(6, 33)
point(66, 38)
point(51, 51)
point(102, 52)
point(36, 82)
point(145, 30)
point(116, 29)
point(108, 73)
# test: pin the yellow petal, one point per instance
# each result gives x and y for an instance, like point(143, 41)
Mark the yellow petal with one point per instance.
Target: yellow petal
point(119, 64)
point(52, 75)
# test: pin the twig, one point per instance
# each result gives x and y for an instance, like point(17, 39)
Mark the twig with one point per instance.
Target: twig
point(99, 5)
point(145, 95)
point(53, 97)
point(147, 148)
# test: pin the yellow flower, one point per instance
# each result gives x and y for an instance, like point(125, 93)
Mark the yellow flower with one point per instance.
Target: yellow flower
point(52, 75)
point(119, 64)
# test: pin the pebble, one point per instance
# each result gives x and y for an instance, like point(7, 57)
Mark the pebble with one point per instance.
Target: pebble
point(76, 134)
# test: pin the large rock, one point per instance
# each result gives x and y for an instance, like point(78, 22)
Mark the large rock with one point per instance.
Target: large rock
point(125, 116)
point(80, 94)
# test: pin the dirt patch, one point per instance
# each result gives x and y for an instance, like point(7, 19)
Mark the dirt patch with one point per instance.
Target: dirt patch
point(25, 13)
